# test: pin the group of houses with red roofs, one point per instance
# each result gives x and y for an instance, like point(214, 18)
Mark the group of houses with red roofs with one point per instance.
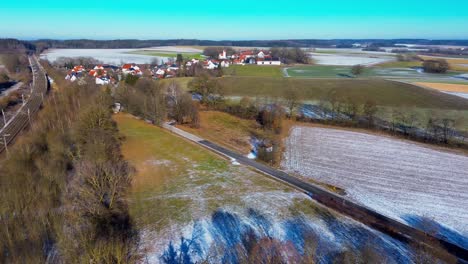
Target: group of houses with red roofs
point(99, 73)
point(169, 69)
point(209, 64)
point(165, 70)
point(250, 57)
point(132, 69)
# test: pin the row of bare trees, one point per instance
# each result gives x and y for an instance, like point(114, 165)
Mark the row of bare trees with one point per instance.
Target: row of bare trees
point(157, 101)
point(63, 188)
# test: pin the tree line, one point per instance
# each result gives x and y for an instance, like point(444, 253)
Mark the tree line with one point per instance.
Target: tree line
point(437, 129)
point(63, 186)
point(156, 102)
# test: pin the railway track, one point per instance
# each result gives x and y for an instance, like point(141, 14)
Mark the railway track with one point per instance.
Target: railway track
point(22, 118)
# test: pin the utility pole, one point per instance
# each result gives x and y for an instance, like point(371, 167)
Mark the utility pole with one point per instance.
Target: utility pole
point(6, 145)
point(4, 118)
point(29, 117)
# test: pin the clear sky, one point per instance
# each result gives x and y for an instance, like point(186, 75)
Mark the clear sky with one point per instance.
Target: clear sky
point(236, 20)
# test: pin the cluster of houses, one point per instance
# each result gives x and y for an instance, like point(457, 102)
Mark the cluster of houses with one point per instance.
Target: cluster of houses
point(250, 57)
point(165, 70)
point(99, 73)
point(169, 69)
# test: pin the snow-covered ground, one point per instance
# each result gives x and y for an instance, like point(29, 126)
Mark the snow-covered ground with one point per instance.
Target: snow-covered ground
point(182, 49)
point(228, 231)
point(219, 216)
point(397, 178)
point(115, 56)
point(109, 56)
point(349, 60)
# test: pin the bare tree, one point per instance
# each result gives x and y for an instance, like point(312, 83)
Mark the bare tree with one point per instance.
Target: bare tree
point(292, 98)
point(357, 69)
point(369, 110)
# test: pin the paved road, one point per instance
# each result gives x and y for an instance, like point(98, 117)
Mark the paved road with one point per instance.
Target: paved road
point(23, 116)
point(334, 201)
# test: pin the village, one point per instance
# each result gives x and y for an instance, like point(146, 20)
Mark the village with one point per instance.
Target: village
point(170, 69)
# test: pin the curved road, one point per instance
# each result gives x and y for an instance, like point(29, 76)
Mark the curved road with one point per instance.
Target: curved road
point(365, 215)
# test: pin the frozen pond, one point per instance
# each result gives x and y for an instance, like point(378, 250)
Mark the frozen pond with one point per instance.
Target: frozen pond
point(348, 60)
point(399, 179)
point(108, 56)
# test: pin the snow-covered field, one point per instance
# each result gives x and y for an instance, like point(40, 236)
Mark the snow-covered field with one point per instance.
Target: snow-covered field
point(348, 60)
point(181, 49)
point(109, 56)
point(114, 56)
point(397, 178)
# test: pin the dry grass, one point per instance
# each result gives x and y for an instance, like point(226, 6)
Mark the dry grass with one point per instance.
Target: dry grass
point(225, 129)
point(155, 153)
point(177, 181)
point(182, 81)
point(459, 88)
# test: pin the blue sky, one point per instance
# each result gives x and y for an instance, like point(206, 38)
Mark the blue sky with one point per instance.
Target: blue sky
point(237, 20)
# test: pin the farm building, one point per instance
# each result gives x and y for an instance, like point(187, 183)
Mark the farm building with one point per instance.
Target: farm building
point(268, 61)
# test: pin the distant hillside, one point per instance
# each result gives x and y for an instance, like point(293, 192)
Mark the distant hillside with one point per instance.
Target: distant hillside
point(15, 46)
point(134, 43)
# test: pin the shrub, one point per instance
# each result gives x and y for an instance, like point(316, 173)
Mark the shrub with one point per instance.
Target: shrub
point(436, 66)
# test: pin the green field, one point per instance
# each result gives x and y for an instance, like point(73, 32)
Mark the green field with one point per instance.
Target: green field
point(383, 92)
point(254, 70)
point(400, 64)
point(186, 55)
point(320, 71)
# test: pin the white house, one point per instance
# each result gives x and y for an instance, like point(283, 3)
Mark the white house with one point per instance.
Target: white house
point(132, 69)
point(102, 80)
point(261, 55)
point(223, 56)
point(225, 64)
point(210, 65)
point(160, 72)
point(269, 61)
point(71, 77)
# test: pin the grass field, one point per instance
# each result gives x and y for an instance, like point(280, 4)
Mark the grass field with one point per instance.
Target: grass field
point(254, 70)
point(182, 81)
point(227, 130)
point(167, 54)
point(384, 93)
point(461, 88)
point(319, 71)
point(177, 181)
point(400, 64)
